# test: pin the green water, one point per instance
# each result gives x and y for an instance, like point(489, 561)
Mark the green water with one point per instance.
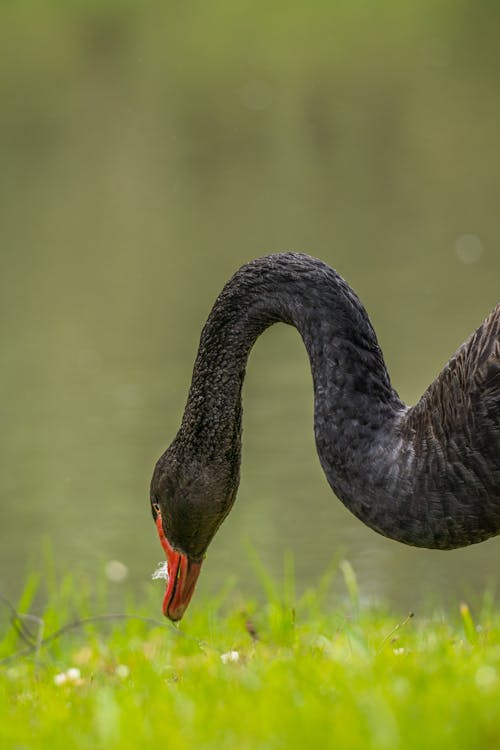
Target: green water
point(146, 152)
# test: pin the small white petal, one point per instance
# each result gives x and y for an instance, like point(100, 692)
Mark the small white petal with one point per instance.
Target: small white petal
point(73, 674)
point(229, 656)
point(161, 571)
point(60, 679)
point(122, 671)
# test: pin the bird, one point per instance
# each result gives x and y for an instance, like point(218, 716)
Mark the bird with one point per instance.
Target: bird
point(426, 475)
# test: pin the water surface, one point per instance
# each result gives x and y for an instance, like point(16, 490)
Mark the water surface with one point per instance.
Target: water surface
point(143, 160)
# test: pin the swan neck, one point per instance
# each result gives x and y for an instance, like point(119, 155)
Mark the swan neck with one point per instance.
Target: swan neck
point(353, 394)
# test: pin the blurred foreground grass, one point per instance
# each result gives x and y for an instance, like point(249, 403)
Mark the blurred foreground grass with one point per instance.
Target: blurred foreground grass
point(288, 674)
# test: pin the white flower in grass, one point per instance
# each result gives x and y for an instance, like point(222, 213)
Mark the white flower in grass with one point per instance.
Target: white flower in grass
point(229, 656)
point(122, 671)
point(71, 675)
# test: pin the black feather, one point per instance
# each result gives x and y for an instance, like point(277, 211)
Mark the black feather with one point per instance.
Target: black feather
point(427, 476)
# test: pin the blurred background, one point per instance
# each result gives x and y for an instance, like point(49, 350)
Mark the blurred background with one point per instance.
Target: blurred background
point(149, 149)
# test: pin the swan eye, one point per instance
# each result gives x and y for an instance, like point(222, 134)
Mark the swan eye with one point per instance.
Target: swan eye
point(156, 508)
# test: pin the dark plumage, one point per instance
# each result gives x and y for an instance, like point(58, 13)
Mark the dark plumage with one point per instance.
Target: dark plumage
point(428, 476)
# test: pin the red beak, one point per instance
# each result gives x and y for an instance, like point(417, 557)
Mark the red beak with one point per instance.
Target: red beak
point(182, 576)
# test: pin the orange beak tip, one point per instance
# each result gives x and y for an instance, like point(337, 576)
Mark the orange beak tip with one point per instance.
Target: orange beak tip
point(181, 575)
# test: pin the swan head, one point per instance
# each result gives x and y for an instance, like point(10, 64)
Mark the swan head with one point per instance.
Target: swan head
point(189, 500)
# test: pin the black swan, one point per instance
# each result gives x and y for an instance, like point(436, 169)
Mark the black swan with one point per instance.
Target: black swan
point(427, 476)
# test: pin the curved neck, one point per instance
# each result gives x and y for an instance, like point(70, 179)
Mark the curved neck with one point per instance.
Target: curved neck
point(427, 476)
point(355, 405)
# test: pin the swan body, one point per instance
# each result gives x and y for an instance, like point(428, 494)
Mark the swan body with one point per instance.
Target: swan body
point(427, 476)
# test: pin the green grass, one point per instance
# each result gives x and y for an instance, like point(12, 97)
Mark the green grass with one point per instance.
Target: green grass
point(306, 676)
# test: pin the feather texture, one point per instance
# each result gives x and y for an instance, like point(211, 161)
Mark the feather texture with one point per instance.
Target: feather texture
point(427, 475)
